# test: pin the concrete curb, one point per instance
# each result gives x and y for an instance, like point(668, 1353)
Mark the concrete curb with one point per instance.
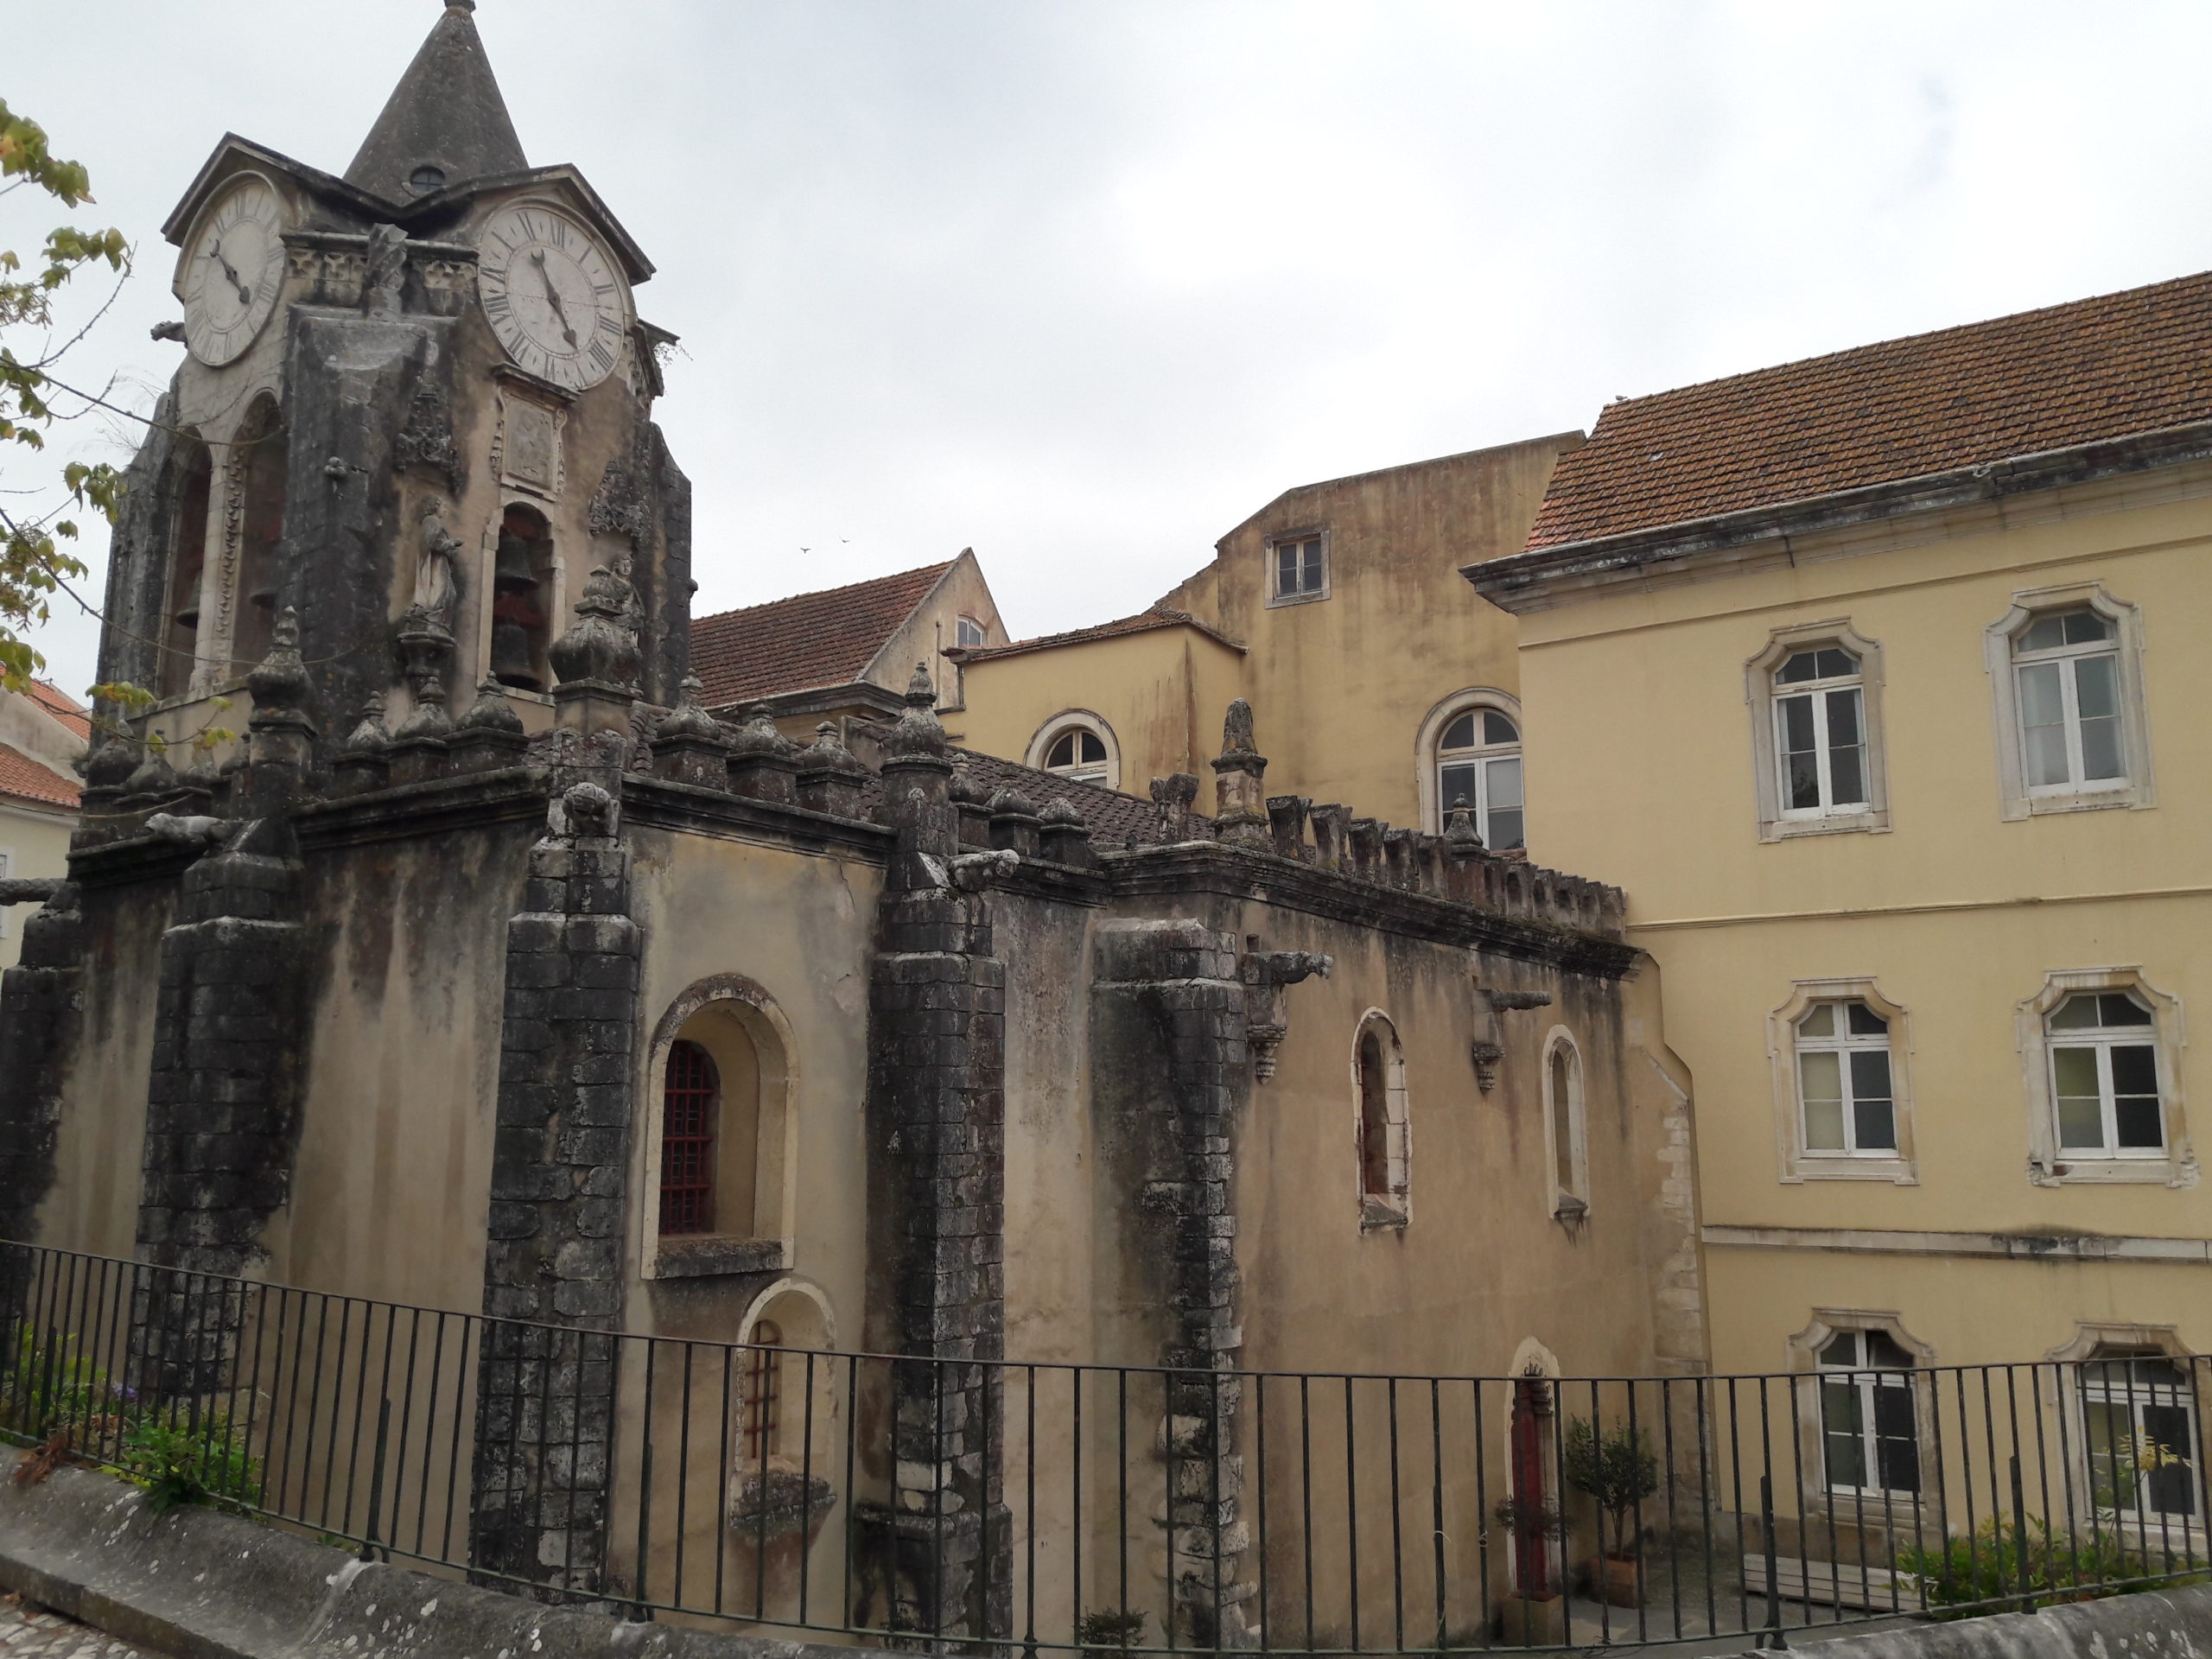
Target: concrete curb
point(198, 1584)
point(2146, 1624)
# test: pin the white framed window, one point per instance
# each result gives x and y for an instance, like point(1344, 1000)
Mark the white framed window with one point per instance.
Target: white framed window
point(1478, 766)
point(1077, 744)
point(1567, 1147)
point(2100, 1049)
point(1865, 1413)
point(1384, 1125)
point(1297, 568)
point(2139, 1435)
point(1870, 1432)
point(1470, 753)
point(2065, 667)
point(1815, 691)
point(1843, 1110)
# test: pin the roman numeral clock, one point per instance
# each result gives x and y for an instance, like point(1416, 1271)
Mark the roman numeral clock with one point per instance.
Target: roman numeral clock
point(552, 296)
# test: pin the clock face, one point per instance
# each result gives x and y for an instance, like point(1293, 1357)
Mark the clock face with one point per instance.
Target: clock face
point(234, 267)
point(552, 296)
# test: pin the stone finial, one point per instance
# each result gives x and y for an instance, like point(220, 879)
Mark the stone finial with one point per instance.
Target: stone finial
point(491, 712)
point(919, 734)
point(370, 736)
point(153, 775)
point(429, 718)
point(279, 680)
point(757, 735)
point(109, 766)
point(1172, 797)
point(597, 647)
point(966, 792)
point(1240, 804)
point(831, 779)
point(1015, 824)
point(385, 272)
point(1461, 838)
point(1286, 815)
point(1062, 836)
point(762, 764)
point(689, 718)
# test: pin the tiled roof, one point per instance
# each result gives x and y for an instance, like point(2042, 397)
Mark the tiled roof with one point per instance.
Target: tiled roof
point(2090, 371)
point(1114, 817)
point(26, 780)
point(807, 640)
point(58, 703)
point(1142, 622)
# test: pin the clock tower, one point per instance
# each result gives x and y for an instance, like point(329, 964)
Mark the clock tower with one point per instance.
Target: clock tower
point(414, 411)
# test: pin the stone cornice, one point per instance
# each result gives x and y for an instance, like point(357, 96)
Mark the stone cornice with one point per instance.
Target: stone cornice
point(1248, 873)
point(1733, 543)
point(664, 803)
point(435, 806)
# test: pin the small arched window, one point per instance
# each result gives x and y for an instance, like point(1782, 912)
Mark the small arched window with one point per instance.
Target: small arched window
point(1078, 754)
point(1566, 1137)
point(690, 1114)
point(1379, 1069)
point(968, 633)
point(763, 1386)
point(1075, 743)
point(1478, 767)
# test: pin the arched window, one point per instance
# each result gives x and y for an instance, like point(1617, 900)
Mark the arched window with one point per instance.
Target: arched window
point(2138, 1417)
point(258, 463)
point(1077, 744)
point(1565, 1136)
point(1820, 732)
point(1379, 1075)
point(1478, 766)
point(691, 1106)
point(187, 568)
point(2066, 670)
point(763, 1386)
point(1869, 1438)
point(968, 633)
point(522, 590)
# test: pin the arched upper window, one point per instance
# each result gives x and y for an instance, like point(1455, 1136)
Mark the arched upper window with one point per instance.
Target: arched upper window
point(968, 633)
point(1384, 1132)
point(1478, 766)
point(188, 569)
point(1819, 740)
point(1565, 1135)
point(763, 1387)
point(1079, 745)
point(2066, 668)
point(522, 591)
point(2102, 1047)
point(690, 1114)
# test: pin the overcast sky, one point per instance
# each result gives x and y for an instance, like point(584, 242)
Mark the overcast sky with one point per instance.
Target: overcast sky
point(1083, 284)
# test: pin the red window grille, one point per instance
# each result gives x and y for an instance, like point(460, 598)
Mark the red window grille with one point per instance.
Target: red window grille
point(763, 1374)
point(690, 1102)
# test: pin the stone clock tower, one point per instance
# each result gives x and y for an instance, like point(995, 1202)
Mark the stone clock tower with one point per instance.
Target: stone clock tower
point(415, 412)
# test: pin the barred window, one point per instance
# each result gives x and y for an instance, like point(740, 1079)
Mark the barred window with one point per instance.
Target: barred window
point(690, 1103)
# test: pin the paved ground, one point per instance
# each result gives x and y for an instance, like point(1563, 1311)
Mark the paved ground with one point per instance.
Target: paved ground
point(41, 1635)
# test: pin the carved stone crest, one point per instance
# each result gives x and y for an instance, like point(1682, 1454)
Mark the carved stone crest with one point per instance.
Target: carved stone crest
point(427, 439)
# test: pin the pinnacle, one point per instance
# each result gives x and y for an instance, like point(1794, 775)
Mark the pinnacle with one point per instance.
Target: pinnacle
point(445, 122)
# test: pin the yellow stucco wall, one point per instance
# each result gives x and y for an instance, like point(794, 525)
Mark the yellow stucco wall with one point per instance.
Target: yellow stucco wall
point(1642, 772)
point(35, 842)
point(1339, 686)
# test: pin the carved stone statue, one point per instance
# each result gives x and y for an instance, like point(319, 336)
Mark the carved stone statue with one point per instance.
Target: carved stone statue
point(385, 271)
point(437, 574)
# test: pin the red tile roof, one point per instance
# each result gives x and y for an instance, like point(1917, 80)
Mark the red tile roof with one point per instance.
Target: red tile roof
point(807, 640)
point(59, 704)
point(2090, 371)
point(1142, 622)
point(26, 780)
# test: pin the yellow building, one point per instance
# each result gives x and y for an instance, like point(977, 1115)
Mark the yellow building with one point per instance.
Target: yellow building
point(1876, 681)
point(41, 733)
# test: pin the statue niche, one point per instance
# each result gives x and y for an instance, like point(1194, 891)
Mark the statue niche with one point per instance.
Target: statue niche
point(522, 588)
point(257, 466)
point(179, 632)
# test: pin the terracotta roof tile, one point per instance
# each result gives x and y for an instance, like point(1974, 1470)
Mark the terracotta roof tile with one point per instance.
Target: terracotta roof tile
point(807, 640)
point(1142, 622)
point(26, 779)
point(59, 704)
point(1114, 818)
point(2089, 371)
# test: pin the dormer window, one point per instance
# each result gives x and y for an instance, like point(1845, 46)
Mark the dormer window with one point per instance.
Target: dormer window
point(968, 633)
point(425, 180)
point(1301, 567)
point(1078, 754)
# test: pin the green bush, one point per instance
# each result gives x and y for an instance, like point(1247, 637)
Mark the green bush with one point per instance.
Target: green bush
point(180, 1461)
point(1961, 1579)
point(1618, 1469)
point(53, 1386)
point(1110, 1630)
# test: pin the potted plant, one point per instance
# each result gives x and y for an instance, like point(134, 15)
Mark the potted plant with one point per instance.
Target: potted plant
point(1618, 1469)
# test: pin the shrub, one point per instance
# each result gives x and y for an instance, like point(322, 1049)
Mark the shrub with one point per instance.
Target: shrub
point(1110, 1630)
point(179, 1461)
point(1961, 1578)
point(1618, 1469)
point(51, 1386)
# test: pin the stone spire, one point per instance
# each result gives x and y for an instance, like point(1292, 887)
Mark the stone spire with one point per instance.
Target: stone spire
point(446, 117)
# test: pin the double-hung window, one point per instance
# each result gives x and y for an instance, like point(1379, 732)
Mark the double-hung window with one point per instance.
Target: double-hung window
point(1869, 1441)
point(1844, 1082)
point(2066, 669)
point(2104, 1076)
point(1478, 767)
point(1819, 717)
point(1301, 567)
point(2139, 1422)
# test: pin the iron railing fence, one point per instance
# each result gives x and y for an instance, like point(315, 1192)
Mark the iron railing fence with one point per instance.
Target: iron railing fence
point(958, 1503)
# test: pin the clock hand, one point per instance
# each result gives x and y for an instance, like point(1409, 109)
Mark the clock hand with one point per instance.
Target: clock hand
point(537, 258)
point(245, 294)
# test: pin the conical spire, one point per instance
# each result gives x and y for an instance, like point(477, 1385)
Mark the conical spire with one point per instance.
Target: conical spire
point(444, 123)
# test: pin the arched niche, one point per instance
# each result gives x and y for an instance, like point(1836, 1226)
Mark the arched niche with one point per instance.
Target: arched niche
point(523, 580)
point(181, 596)
point(258, 468)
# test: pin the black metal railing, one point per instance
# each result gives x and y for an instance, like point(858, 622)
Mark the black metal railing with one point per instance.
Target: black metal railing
point(959, 1503)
